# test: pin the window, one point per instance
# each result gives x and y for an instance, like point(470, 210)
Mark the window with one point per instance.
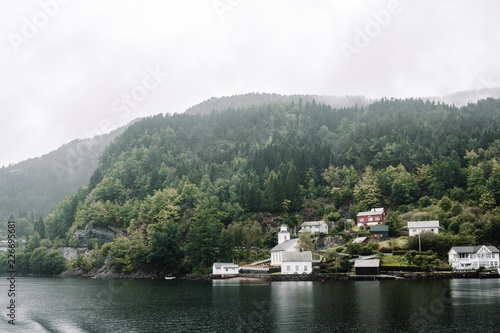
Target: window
point(377, 219)
point(370, 219)
point(296, 268)
point(432, 230)
point(362, 220)
point(305, 268)
point(288, 268)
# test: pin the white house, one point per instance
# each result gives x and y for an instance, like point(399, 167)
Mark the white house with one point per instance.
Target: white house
point(315, 227)
point(297, 262)
point(225, 268)
point(421, 226)
point(473, 257)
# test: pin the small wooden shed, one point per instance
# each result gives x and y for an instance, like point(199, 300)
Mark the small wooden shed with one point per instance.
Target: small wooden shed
point(367, 267)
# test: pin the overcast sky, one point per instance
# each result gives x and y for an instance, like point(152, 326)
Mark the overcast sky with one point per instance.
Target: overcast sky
point(72, 68)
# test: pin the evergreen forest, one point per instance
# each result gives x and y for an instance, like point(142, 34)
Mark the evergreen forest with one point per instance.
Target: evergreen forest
point(182, 191)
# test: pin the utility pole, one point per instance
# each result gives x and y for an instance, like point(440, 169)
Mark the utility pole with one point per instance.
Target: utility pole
point(419, 244)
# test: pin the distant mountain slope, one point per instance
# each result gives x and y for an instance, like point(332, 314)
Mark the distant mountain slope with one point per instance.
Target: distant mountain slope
point(246, 100)
point(462, 98)
point(38, 184)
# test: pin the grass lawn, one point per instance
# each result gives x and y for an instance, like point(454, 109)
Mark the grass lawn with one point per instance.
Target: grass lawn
point(400, 241)
point(395, 261)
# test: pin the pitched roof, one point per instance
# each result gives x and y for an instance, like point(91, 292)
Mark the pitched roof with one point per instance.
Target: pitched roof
point(311, 223)
point(423, 224)
point(297, 256)
point(379, 228)
point(473, 249)
point(359, 240)
point(225, 264)
point(367, 263)
point(285, 245)
point(373, 211)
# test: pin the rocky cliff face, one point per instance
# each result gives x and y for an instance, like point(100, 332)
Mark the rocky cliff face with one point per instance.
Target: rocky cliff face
point(68, 252)
point(104, 235)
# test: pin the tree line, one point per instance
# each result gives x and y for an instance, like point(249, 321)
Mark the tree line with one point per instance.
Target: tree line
point(188, 189)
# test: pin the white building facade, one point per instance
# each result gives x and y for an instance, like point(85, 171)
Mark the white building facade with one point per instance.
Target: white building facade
point(473, 257)
point(278, 251)
point(283, 235)
point(417, 227)
point(225, 268)
point(315, 227)
point(297, 262)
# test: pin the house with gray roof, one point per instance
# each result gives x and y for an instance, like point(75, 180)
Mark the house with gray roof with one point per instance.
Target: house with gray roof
point(416, 227)
point(278, 251)
point(225, 268)
point(285, 244)
point(379, 232)
point(473, 257)
point(367, 267)
point(314, 227)
point(297, 262)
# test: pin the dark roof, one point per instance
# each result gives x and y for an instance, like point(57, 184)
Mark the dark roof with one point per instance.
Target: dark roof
point(473, 249)
point(379, 228)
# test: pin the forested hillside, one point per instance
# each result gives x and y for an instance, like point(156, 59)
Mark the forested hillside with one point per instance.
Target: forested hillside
point(247, 100)
point(187, 189)
point(38, 184)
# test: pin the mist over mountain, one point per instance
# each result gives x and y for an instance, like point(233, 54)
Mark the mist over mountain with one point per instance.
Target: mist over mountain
point(38, 184)
point(246, 100)
point(465, 97)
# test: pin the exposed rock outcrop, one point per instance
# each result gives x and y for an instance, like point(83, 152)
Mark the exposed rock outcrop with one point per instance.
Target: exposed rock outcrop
point(104, 235)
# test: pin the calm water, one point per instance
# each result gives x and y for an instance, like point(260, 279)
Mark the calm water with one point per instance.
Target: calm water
point(93, 305)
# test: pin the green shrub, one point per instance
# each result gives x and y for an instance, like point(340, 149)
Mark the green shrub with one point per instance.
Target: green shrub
point(93, 244)
point(105, 249)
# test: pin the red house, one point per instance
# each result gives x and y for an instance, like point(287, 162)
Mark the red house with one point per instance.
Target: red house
point(372, 217)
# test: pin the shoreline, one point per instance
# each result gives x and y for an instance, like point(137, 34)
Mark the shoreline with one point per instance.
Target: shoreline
point(322, 277)
point(319, 277)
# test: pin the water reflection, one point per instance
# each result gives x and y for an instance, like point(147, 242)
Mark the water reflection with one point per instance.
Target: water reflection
point(293, 304)
point(475, 291)
point(80, 305)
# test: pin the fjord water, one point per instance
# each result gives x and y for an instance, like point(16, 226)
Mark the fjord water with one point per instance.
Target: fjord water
point(95, 305)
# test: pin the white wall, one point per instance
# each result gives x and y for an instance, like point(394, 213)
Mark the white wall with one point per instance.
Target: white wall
point(299, 267)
